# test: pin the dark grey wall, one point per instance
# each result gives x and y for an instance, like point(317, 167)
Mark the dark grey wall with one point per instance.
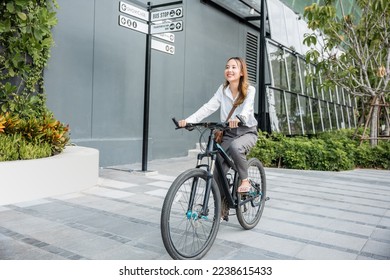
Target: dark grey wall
point(95, 77)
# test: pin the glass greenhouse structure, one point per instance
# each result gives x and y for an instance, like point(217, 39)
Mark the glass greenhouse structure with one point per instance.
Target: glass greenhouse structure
point(294, 106)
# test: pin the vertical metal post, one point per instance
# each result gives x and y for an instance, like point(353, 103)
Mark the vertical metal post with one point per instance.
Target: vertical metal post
point(262, 121)
point(147, 95)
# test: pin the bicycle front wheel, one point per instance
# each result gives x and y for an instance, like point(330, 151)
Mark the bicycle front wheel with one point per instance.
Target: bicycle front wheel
point(188, 227)
point(251, 205)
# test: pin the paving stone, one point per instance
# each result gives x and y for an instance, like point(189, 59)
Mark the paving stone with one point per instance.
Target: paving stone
point(105, 182)
point(342, 241)
point(313, 252)
point(126, 252)
point(101, 191)
point(376, 248)
point(311, 215)
point(381, 234)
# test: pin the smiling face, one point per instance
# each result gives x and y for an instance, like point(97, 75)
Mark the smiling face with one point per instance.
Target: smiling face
point(233, 71)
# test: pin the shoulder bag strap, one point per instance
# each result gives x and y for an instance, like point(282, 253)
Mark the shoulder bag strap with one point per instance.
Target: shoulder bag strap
point(231, 112)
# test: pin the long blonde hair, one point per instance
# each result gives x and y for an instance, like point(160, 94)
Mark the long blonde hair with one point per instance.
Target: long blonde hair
point(243, 83)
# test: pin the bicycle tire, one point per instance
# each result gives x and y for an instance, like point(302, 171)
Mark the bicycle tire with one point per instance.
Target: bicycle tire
point(250, 206)
point(185, 234)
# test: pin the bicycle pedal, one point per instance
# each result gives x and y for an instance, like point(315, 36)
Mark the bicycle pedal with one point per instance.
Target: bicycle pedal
point(224, 218)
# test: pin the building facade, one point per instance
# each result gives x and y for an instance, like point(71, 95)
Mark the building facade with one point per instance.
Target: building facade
point(97, 77)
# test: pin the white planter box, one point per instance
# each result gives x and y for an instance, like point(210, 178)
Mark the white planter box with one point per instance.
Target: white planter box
point(75, 169)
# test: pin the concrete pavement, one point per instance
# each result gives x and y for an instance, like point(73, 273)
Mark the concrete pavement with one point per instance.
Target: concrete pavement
point(310, 215)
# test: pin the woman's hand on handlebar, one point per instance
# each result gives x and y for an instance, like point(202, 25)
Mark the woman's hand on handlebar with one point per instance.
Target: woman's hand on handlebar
point(182, 123)
point(234, 123)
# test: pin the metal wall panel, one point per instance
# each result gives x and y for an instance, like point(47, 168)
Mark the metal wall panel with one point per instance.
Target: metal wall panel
point(95, 78)
point(69, 76)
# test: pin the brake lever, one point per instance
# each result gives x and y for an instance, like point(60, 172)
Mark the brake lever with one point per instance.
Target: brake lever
point(176, 123)
point(189, 127)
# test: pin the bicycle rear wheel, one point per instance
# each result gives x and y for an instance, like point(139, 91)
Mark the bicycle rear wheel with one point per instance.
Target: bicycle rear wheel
point(188, 233)
point(251, 205)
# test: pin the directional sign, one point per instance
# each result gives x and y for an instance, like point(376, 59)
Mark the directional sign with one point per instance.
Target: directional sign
point(133, 24)
point(170, 37)
point(167, 27)
point(163, 47)
point(133, 11)
point(167, 14)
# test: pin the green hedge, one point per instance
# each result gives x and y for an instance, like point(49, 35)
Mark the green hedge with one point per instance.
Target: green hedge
point(35, 137)
point(15, 147)
point(328, 151)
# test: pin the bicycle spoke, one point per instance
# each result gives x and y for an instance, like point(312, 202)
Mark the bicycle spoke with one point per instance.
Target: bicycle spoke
point(186, 232)
point(251, 205)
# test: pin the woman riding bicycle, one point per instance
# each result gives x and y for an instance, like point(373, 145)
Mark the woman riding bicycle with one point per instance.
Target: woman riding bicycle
point(239, 139)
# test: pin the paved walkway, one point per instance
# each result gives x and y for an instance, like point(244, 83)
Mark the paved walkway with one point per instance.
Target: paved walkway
point(310, 215)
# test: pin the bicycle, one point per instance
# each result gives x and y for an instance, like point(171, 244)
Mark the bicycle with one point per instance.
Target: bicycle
point(191, 211)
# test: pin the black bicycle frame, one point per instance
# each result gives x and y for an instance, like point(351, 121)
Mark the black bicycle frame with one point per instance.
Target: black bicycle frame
point(224, 188)
point(212, 151)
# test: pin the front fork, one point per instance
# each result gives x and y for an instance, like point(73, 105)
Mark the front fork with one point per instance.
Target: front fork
point(203, 213)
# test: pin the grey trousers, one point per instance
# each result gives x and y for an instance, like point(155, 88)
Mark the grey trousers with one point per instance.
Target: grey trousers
point(237, 142)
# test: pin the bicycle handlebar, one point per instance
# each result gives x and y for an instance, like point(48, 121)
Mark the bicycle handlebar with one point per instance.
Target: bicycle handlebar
point(212, 125)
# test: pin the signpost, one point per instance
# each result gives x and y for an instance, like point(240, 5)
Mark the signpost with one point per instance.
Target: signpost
point(167, 14)
point(133, 24)
point(162, 24)
point(170, 37)
point(167, 27)
point(133, 11)
point(163, 47)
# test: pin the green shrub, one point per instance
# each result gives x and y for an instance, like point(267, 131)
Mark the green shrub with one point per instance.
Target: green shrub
point(9, 147)
point(36, 137)
point(328, 151)
point(337, 157)
point(317, 155)
point(15, 147)
point(28, 129)
point(364, 157)
point(45, 129)
point(381, 160)
point(295, 153)
point(29, 150)
point(265, 149)
point(25, 43)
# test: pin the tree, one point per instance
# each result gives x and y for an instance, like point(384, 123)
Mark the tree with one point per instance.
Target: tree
point(353, 53)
